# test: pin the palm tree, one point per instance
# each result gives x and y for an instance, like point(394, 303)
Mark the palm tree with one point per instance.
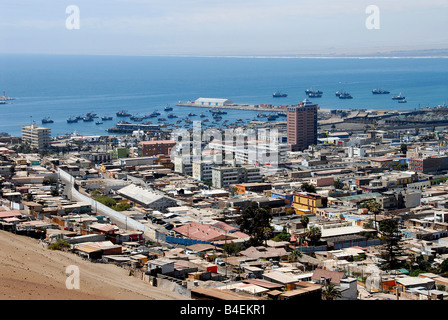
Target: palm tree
point(375, 208)
point(294, 255)
point(331, 292)
point(304, 220)
point(314, 234)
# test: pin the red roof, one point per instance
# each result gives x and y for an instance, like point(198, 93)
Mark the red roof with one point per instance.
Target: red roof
point(10, 214)
point(201, 231)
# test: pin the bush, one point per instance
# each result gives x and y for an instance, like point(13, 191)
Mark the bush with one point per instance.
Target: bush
point(59, 245)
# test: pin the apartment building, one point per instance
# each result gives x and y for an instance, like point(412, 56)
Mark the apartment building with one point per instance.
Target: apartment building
point(38, 137)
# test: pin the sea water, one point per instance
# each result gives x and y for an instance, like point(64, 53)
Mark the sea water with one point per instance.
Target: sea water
point(61, 86)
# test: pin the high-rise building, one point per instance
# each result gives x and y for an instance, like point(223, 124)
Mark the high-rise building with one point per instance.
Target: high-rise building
point(302, 125)
point(37, 137)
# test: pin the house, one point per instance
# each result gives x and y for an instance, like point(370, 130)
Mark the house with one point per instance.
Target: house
point(264, 253)
point(146, 198)
point(161, 265)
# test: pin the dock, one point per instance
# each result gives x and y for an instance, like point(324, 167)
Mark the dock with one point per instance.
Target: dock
point(215, 103)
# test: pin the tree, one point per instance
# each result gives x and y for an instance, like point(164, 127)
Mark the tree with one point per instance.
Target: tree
point(443, 267)
point(283, 236)
point(404, 148)
point(392, 248)
point(375, 208)
point(233, 248)
point(331, 292)
point(304, 220)
point(294, 256)
point(256, 222)
point(338, 184)
point(313, 234)
point(307, 187)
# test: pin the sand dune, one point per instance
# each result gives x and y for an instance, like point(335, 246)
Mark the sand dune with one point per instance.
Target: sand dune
point(28, 271)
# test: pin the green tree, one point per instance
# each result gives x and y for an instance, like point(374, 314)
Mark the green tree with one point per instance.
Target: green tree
point(313, 234)
point(123, 206)
point(404, 148)
point(331, 292)
point(256, 222)
point(308, 187)
point(443, 267)
point(392, 246)
point(107, 201)
point(283, 236)
point(304, 220)
point(233, 248)
point(375, 208)
point(294, 256)
point(338, 184)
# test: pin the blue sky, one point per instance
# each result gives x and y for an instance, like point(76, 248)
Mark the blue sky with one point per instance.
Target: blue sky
point(211, 27)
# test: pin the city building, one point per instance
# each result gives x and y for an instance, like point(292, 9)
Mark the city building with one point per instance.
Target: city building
point(429, 165)
point(302, 125)
point(307, 203)
point(226, 176)
point(38, 137)
point(155, 147)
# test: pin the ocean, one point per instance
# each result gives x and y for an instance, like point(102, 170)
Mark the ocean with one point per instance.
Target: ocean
point(61, 86)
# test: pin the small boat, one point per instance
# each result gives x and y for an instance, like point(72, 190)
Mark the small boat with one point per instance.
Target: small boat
point(87, 119)
point(191, 114)
point(202, 115)
point(98, 122)
point(168, 108)
point(171, 116)
point(402, 101)
point(161, 119)
point(272, 117)
point(105, 118)
point(47, 120)
point(278, 94)
point(72, 120)
point(399, 97)
point(91, 115)
point(261, 115)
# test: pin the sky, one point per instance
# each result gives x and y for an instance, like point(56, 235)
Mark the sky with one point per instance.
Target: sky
point(222, 28)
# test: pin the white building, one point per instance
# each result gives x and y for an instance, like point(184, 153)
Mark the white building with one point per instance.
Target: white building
point(38, 137)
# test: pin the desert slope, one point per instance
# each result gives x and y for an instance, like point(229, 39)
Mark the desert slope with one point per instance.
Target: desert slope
point(30, 271)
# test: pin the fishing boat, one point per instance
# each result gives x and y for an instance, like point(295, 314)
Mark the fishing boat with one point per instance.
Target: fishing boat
point(398, 97)
point(123, 113)
point(345, 95)
point(191, 114)
point(379, 91)
point(171, 116)
point(161, 119)
point(98, 122)
point(402, 101)
point(105, 118)
point(72, 120)
point(278, 94)
point(168, 108)
point(47, 120)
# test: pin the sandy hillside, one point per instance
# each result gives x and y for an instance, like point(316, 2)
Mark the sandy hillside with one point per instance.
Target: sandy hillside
point(32, 272)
